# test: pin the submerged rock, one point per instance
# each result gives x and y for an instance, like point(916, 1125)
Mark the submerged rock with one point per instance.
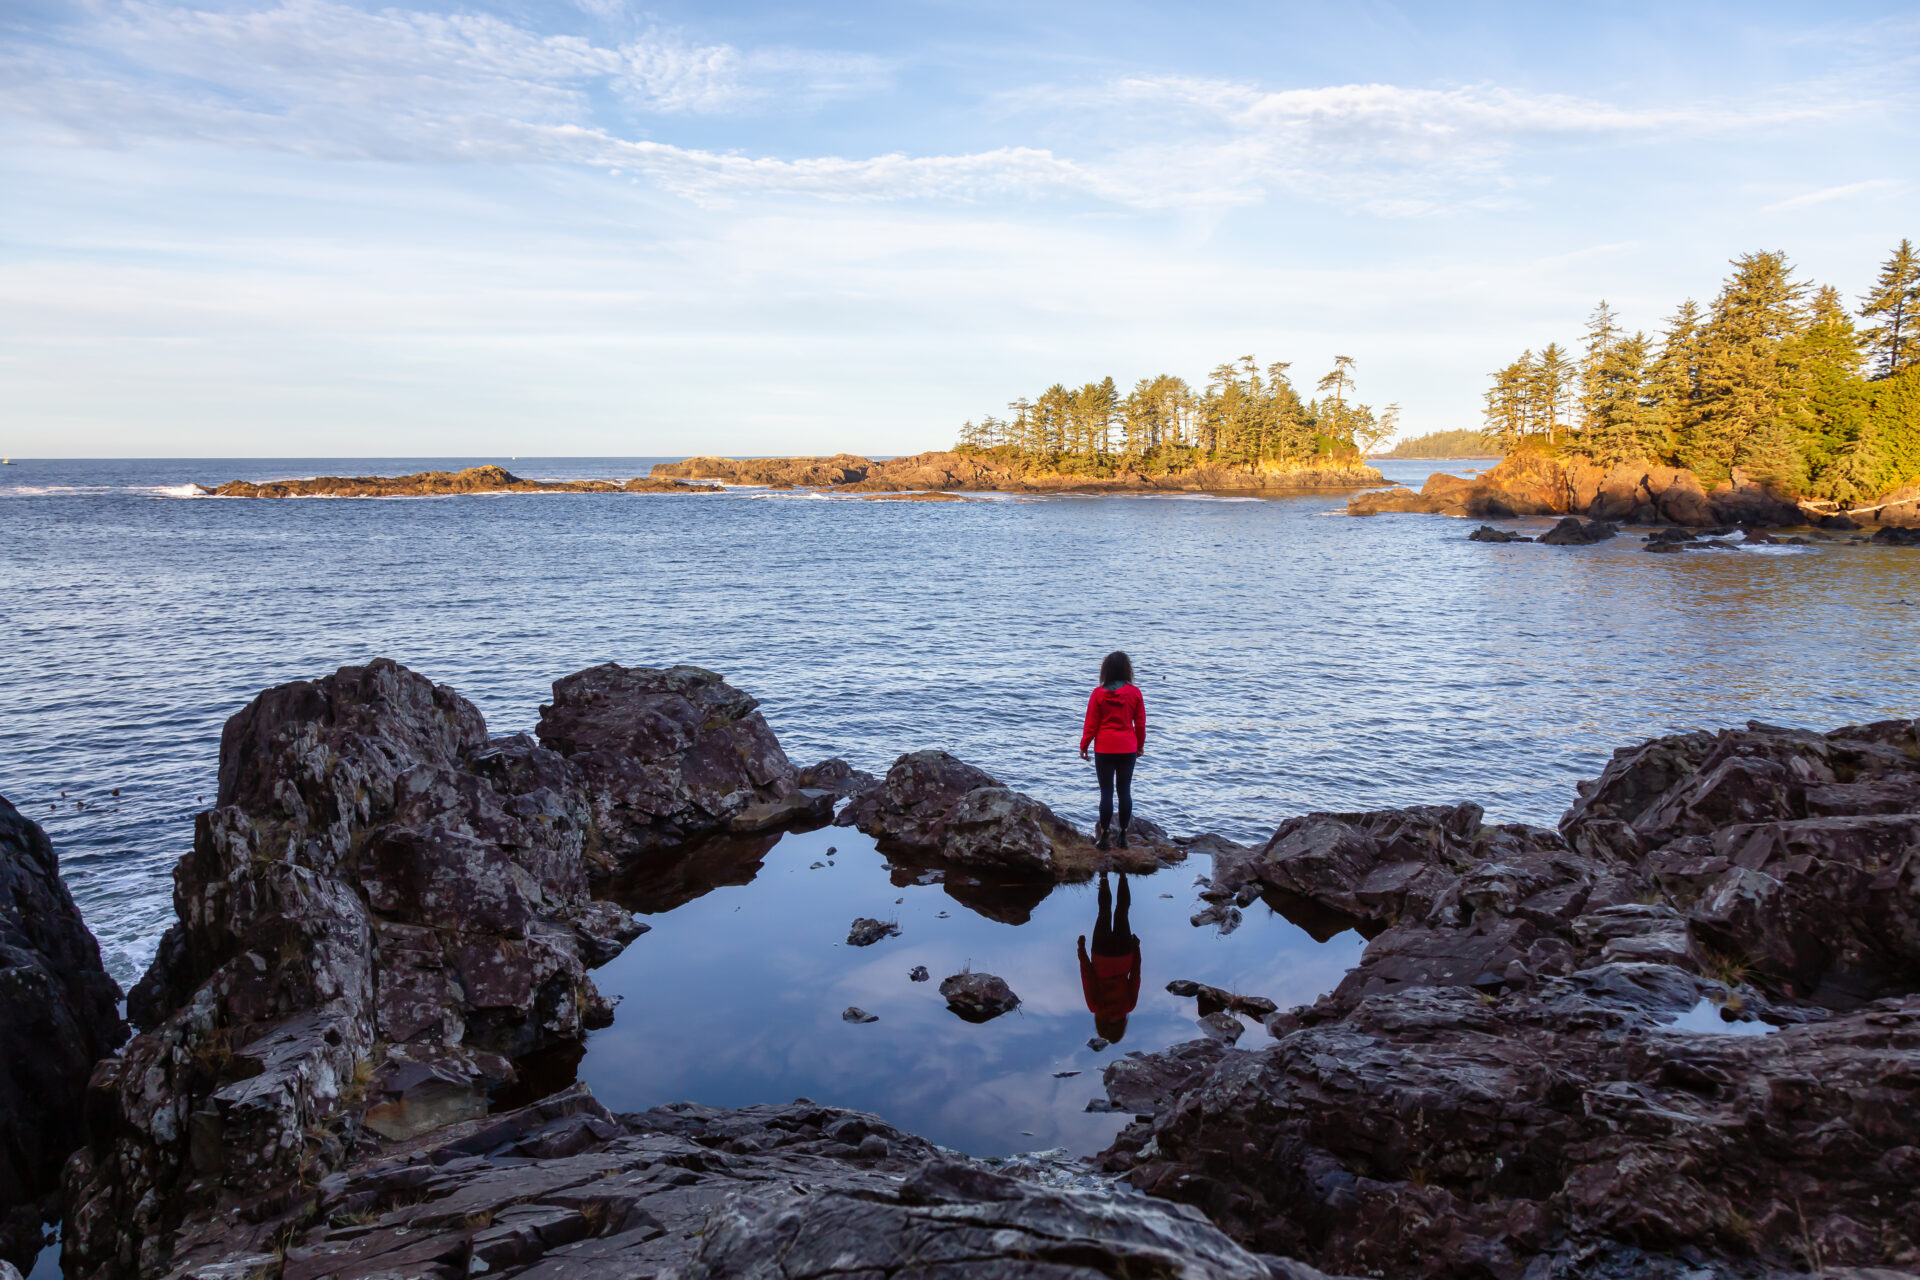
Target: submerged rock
point(853, 1013)
point(866, 931)
point(978, 997)
point(59, 1014)
point(1487, 533)
point(918, 974)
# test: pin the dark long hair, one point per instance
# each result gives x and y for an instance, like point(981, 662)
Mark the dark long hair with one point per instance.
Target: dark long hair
point(1116, 669)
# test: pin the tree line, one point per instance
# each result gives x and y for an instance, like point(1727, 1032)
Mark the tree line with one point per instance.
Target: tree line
point(1246, 415)
point(1774, 377)
point(1465, 443)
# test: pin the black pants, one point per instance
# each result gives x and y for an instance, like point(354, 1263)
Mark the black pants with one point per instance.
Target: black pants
point(1115, 769)
point(1112, 932)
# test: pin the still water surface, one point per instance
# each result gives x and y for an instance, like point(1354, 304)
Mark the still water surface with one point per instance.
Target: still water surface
point(1292, 659)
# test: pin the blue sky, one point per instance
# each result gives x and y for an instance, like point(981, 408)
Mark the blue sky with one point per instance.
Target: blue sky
point(311, 227)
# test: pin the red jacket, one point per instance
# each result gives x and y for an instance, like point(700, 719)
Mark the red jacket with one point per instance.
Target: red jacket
point(1116, 720)
point(1110, 983)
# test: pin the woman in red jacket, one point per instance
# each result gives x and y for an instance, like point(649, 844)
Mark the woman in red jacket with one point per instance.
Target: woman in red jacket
point(1116, 725)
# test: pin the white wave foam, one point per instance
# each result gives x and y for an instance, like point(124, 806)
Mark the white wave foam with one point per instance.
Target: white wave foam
point(179, 491)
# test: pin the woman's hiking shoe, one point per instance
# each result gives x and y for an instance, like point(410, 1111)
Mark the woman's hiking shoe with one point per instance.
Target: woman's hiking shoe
point(1122, 838)
point(1100, 839)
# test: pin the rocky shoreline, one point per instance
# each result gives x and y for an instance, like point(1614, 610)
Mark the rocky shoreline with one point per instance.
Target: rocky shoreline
point(1642, 493)
point(387, 908)
point(942, 470)
point(441, 484)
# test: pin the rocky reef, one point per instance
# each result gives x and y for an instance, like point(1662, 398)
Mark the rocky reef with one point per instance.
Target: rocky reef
point(1516, 1080)
point(1541, 484)
point(944, 470)
point(59, 1014)
point(437, 484)
point(1678, 1035)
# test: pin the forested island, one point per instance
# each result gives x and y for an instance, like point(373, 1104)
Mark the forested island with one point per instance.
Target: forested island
point(1444, 444)
point(1773, 377)
point(1247, 416)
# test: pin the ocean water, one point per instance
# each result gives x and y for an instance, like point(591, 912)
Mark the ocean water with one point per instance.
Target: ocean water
point(1292, 659)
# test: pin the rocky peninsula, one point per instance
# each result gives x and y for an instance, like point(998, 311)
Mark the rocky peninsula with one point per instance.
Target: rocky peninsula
point(1532, 1071)
point(1532, 483)
point(441, 484)
point(943, 470)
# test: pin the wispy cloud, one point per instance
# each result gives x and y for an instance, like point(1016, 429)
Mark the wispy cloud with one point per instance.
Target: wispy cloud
point(1833, 193)
point(322, 77)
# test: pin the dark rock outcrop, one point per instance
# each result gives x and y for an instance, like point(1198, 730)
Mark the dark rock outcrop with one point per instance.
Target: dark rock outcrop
point(1487, 533)
point(59, 1014)
point(979, 997)
point(381, 910)
point(440, 484)
point(935, 810)
point(663, 754)
point(565, 1188)
point(1571, 532)
point(1501, 1087)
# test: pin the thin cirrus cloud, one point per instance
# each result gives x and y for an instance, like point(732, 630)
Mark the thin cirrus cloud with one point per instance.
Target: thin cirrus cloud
point(324, 78)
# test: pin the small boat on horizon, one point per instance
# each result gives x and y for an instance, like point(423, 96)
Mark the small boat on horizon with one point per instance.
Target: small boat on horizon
point(6, 462)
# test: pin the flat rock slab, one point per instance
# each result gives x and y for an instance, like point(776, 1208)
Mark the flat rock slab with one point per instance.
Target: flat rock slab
point(566, 1189)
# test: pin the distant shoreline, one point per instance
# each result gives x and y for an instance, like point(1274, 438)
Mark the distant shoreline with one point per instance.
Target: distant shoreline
point(836, 475)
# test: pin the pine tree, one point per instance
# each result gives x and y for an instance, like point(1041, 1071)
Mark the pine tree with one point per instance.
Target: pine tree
point(1895, 302)
point(1746, 386)
point(1674, 380)
point(1547, 394)
point(1603, 332)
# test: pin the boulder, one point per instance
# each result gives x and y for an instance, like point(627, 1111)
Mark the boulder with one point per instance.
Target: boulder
point(662, 754)
point(933, 808)
point(382, 908)
point(801, 807)
point(1571, 532)
point(978, 997)
point(1487, 533)
point(836, 776)
point(59, 1014)
point(1889, 536)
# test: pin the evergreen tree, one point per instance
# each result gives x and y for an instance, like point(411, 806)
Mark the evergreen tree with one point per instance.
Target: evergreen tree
point(1895, 302)
point(1603, 332)
point(1547, 392)
point(1674, 381)
point(1747, 392)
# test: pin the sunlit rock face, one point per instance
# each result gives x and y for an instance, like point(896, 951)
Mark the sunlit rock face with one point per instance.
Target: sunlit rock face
point(1682, 1027)
point(58, 1015)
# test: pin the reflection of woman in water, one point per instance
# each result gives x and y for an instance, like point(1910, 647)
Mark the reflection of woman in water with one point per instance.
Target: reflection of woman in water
point(1111, 976)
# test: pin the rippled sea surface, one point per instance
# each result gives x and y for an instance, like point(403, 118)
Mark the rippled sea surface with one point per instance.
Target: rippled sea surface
point(1292, 658)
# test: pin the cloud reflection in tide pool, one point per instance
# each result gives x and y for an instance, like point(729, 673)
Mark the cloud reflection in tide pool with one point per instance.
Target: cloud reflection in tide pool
point(736, 997)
